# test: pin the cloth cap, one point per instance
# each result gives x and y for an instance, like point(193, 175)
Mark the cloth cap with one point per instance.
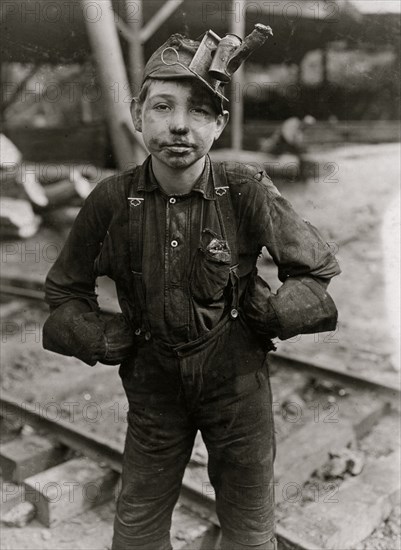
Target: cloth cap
point(172, 59)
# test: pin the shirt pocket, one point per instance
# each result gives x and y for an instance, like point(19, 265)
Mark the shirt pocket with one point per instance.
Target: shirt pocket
point(211, 268)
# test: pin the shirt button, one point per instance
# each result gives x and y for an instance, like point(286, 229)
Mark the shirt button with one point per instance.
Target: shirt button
point(174, 243)
point(172, 200)
point(234, 313)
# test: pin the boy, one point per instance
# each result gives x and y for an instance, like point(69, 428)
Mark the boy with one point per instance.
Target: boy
point(180, 237)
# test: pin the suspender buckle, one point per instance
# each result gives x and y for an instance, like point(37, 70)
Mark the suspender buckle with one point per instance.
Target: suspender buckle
point(135, 201)
point(220, 191)
point(234, 313)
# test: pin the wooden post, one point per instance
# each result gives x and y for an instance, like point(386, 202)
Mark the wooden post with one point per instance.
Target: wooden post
point(325, 73)
point(135, 51)
point(237, 27)
point(116, 92)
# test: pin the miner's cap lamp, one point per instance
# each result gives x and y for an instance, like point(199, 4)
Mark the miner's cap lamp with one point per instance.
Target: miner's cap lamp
point(213, 60)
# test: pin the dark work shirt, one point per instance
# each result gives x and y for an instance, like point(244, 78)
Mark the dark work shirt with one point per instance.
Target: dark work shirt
point(172, 231)
point(172, 234)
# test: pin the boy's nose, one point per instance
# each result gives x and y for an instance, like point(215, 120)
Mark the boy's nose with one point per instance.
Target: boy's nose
point(178, 122)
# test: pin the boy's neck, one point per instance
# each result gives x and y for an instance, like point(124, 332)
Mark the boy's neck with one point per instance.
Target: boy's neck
point(174, 181)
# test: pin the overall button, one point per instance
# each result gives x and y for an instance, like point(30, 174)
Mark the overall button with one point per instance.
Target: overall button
point(172, 200)
point(234, 313)
point(174, 243)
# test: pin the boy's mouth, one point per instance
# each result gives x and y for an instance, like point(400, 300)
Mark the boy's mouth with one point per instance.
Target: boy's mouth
point(178, 147)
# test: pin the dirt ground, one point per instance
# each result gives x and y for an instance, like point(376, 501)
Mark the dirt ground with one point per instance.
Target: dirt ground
point(350, 205)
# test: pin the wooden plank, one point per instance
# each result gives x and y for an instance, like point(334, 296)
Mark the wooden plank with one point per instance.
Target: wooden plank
point(302, 453)
point(67, 490)
point(28, 455)
point(351, 515)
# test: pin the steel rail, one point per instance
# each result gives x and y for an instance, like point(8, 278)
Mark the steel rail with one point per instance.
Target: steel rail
point(20, 287)
point(96, 447)
point(93, 446)
point(100, 450)
point(389, 393)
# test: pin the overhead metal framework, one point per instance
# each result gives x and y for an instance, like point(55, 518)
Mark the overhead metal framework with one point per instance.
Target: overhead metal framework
point(55, 31)
point(74, 31)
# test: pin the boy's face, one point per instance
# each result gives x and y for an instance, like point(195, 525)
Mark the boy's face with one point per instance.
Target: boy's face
point(178, 122)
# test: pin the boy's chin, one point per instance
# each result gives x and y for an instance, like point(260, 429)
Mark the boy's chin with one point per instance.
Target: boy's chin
point(180, 161)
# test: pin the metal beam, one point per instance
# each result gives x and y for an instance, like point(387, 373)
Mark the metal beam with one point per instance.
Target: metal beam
point(237, 26)
point(116, 91)
point(159, 18)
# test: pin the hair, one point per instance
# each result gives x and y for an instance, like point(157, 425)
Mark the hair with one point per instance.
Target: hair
point(143, 92)
point(148, 82)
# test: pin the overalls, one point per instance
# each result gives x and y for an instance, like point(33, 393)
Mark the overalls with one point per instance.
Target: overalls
point(218, 384)
point(197, 364)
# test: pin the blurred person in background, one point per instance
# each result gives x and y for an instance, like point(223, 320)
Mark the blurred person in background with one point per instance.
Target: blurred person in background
point(290, 138)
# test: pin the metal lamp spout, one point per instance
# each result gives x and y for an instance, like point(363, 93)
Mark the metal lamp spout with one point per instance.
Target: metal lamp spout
point(231, 52)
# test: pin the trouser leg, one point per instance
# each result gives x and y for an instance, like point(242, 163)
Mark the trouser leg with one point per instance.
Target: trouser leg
point(158, 446)
point(241, 469)
point(237, 427)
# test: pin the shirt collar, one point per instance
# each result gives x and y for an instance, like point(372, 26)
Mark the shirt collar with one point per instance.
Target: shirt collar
point(203, 185)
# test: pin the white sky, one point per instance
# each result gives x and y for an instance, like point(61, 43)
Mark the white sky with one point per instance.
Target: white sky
point(378, 6)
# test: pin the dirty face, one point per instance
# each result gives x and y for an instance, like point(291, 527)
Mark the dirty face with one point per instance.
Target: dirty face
point(178, 121)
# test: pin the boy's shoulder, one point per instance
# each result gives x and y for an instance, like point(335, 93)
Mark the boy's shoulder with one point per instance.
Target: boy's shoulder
point(248, 179)
point(119, 180)
point(110, 190)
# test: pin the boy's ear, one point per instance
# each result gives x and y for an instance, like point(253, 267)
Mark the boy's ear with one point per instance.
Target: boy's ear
point(136, 114)
point(221, 123)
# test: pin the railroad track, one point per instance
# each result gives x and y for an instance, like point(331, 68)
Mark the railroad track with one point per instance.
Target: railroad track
point(33, 290)
point(318, 413)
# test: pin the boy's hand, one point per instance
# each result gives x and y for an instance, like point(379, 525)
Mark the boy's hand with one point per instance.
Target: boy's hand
point(119, 340)
point(257, 309)
point(87, 335)
point(90, 336)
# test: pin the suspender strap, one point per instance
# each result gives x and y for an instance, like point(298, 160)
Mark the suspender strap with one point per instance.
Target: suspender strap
point(228, 222)
point(136, 203)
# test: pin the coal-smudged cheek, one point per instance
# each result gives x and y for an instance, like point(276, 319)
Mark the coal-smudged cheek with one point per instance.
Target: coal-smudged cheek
point(154, 144)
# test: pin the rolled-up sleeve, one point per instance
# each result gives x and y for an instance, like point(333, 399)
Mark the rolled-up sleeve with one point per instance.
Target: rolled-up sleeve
point(72, 276)
point(295, 245)
point(305, 266)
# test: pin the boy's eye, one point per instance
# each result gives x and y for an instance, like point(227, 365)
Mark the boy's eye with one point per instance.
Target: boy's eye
point(200, 110)
point(161, 107)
